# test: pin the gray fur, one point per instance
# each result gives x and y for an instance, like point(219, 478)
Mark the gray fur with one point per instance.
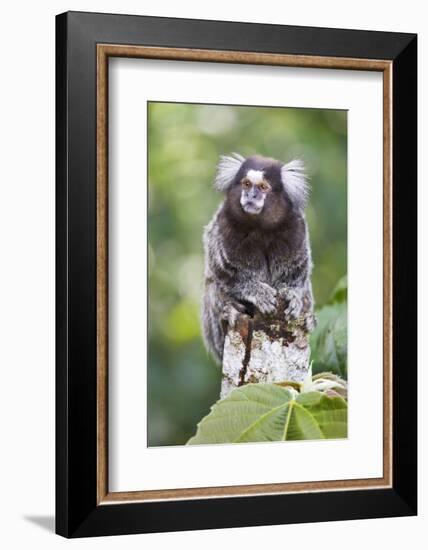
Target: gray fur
point(251, 261)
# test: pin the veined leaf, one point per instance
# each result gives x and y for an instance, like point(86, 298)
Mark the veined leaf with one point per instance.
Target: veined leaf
point(267, 412)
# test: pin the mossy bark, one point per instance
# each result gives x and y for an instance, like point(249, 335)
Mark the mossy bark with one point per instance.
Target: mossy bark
point(264, 349)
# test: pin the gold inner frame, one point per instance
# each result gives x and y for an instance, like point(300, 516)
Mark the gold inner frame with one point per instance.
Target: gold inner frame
point(104, 51)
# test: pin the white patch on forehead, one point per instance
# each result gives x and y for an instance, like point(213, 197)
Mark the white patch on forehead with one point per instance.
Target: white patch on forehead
point(255, 176)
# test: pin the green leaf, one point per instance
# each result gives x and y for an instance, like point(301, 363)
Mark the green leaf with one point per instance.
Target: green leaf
point(267, 412)
point(329, 347)
point(340, 292)
point(331, 413)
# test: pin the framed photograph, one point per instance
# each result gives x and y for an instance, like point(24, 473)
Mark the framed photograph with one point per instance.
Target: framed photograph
point(236, 274)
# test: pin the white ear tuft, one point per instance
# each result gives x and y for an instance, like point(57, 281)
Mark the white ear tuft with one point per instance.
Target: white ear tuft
point(295, 182)
point(227, 168)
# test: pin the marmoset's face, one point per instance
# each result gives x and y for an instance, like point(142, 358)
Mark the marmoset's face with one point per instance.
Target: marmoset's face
point(261, 191)
point(255, 189)
point(257, 194)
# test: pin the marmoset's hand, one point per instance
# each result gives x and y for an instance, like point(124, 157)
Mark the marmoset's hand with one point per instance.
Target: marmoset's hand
point(294, 303)
point(265, 299)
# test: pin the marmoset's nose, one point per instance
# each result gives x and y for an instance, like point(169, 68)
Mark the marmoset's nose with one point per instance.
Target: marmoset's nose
point(254, 193)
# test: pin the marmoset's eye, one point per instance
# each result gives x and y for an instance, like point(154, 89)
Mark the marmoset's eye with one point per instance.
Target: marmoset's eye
point(264, 186)
point(246, 184)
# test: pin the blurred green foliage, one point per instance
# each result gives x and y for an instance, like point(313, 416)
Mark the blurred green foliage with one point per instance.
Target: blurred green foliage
point(185, 141)
point(329, 340)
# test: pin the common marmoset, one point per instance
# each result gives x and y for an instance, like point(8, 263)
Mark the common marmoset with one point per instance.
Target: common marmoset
point(257, 249)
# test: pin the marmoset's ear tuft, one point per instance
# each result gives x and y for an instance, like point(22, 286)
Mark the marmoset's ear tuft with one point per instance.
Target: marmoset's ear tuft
point(295, 182)
point(227, 168)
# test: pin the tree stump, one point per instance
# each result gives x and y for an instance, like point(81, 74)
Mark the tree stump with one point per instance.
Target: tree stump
point(264, 349)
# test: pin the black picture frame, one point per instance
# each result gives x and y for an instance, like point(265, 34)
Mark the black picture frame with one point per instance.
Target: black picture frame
point(78, 513)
